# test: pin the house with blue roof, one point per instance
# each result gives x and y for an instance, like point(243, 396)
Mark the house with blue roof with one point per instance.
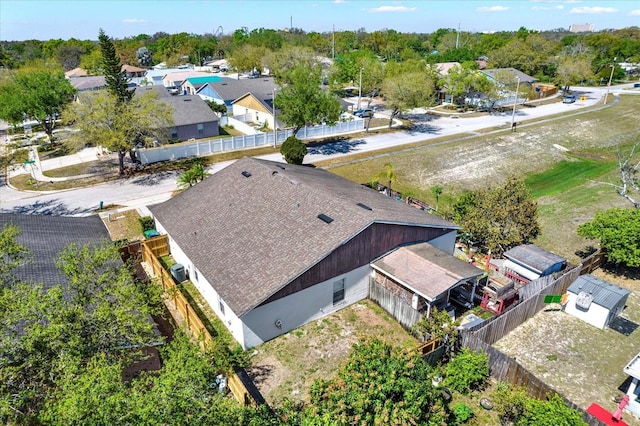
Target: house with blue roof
point(191, 85)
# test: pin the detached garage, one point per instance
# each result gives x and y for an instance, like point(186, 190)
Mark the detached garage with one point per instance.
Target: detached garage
point(595, 301)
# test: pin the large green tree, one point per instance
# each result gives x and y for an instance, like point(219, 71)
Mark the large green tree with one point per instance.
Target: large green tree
point(38, 94)
point(406, 91)
point(378, 385)
point(619, 233)
point(500, 217)
point(104, 121)
point(302, 102)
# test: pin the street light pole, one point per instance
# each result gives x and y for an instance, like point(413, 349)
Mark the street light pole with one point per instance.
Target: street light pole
point(360, 89)
point(275, 133)
point(613, 67)
point(513, 114)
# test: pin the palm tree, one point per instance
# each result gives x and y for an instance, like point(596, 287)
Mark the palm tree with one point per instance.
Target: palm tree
point(388, 175)
point(195, 174)
point(437, 191)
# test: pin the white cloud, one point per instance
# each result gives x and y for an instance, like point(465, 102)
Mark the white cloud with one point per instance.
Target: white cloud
point(592, 10)
point(635, 12)
point(338, 1)
point(537, 8)
point(492, 9)
point(133, 21)
point(385, 9)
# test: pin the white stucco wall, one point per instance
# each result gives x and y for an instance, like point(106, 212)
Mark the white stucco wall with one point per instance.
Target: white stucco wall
point(304, 306)
point(596, 315)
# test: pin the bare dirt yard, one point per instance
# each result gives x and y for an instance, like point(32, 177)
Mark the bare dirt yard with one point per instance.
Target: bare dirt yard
point(286, 366)
point(580, 361)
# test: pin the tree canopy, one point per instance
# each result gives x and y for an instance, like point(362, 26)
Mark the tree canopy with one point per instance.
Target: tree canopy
point(301, 100)
point(378, 385)
point(500, 217)
point(115, 79)
point(38, 94)
point(103, 121)
point(619, 233)
point(409, 90)
point(293, 150)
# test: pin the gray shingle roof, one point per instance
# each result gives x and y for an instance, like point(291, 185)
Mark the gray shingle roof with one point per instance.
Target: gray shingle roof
point(604, 293)
point(187, 109)
point(524, 78)
point(534, 257)
point(46, 236)
point(249, 236)
point(230, 89)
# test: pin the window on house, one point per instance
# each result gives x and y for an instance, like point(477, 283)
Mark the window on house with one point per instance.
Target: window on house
point(221, 304)
point(338, 291)
point(174, 133)
point(200, 129)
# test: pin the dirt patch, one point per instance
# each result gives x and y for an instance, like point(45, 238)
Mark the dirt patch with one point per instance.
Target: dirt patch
point(580, 361)
point(285, 367)
point(124, 225)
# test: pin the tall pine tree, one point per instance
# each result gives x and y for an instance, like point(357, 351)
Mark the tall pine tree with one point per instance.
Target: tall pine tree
point(116, 80)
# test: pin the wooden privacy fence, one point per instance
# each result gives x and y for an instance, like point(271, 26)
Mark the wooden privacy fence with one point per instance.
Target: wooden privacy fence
point(401, 311)
point(506, 368)
point(239, 383)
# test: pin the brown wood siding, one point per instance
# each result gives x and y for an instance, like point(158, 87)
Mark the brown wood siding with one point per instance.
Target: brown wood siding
point(371, 243)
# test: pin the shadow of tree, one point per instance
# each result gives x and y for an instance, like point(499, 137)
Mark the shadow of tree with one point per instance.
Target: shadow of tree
point(53, 207)
point(260, 373)
point(152, 179)
point(343, 146)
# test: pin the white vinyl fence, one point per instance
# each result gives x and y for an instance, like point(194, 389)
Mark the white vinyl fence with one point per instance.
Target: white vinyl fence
point(233, 143)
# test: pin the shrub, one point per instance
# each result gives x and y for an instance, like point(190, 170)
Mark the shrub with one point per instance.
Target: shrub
point(467, 371)
point(147, 223)
point(293, 150)
point(462, 413)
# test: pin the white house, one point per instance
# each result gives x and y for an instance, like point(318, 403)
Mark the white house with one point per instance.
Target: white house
point(272, 246)
point(595, 301)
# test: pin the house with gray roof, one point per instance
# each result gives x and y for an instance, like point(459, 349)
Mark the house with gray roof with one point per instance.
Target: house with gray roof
point(229, 90)
point(192, 117)
point(495, 73)
point(272, 246)
point(595, 301)
point(46, 236)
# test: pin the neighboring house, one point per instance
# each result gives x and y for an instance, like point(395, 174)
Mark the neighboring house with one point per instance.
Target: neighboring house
point(175, 79)
point(82, 84)
point(527, 262)
point(426, 277)
point(524, 78)
point(153, 77)
point(443, 67)
point(192, 117)
point(250, 109)
point(272, 246)
point(192, 84)
point(581, 28)
point(76, 72)
point(229, 90)
point(45, 236)
point(133, 72)
point(595, 301)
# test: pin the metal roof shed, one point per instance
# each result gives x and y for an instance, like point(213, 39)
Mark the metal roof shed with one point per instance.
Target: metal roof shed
point(595, 301)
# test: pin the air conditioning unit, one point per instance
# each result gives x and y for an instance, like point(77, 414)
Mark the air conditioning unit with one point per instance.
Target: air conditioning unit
point(178, 273)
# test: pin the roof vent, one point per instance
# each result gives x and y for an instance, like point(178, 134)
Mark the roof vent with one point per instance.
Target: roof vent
point(323, 217)
point(187, 100)
point(246, 174)
point(280, 166)
point(364, 206)
point(583, 301)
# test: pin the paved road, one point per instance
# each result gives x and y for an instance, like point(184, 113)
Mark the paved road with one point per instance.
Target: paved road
point(148, 190)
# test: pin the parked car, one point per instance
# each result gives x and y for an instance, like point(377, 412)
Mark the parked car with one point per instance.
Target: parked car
point(364, 113)
point(568, 99)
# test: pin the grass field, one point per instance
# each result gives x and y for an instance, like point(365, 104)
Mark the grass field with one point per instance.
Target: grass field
point(567, 162)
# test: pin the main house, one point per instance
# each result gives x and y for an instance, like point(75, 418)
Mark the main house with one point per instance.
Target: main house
point(272, 246)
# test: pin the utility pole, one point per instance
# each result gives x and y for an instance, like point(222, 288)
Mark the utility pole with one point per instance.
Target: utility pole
point(513, 115)
point(613, 67)
point(458, 36)
point(360, 89)
point(275, 125)
point(333, 43)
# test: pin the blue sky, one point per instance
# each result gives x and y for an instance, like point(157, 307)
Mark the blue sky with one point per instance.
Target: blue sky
point(81, 19)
